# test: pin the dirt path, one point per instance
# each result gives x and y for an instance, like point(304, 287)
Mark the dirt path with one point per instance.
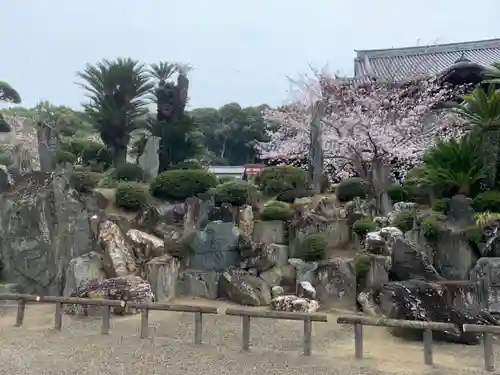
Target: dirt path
point(276, 348)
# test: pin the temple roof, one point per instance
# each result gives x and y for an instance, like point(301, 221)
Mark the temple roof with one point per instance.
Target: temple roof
point(395, 64)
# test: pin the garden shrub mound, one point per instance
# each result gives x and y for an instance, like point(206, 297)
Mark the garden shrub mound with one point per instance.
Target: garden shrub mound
point(404, 220)
point(97, 155)
point(351, 188)
point(275, 210)
point(441, 205)
point(129, 172)
point(131, 196)
point(63, 156)
point(313, 247)
point(182, 183)
point(235, 192)
point(362, 226)
point(186, 164)
point(487, 201)
point(289, 196)
point(397, 193)
point(84, 181)
point(275, 180)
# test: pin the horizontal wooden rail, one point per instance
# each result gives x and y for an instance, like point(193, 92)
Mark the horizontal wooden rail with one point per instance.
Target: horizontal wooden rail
point(305, 317)
point(358, 321)
point(176, 308)
point(488, 332)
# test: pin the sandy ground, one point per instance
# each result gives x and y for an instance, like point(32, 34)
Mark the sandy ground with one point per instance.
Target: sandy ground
point(276, 348)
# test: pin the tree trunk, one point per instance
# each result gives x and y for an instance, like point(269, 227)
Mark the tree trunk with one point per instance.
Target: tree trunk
point(316, 149)
point(119, 155)
point(491, 141)
point(380, 181)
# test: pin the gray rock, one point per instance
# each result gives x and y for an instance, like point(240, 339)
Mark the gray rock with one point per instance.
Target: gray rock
point(119, 251)
point(280, 275)
point(277, 291)
point(304, 271)
point(262, 256)
point(461, 213)
point(146, 246)
point(293, 303)
point(245, 289)
point(269, 232)
point(214, 248)
point(454, 257)
point(82, 270)
point(375, 243)
point(149, 161)
point(245, 220)
point(306, 290)
point(195, 283)
point(161, 273)
point(487, 273)
point(335, 284)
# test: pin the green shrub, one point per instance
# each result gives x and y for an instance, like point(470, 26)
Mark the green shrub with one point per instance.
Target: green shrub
point(487, 201)
point(5, 159)
point(235, 192)
point(431, 228)
point(362, 226)
point(441, 205)
point(186, 164)
point(404, 220)
point(397, 193)
point(224, 179)
point(181, 184)
point(97, 155)
point(129, 172)
point(107, 182)
point(84, 182)
point(75, 145)
point(65, 157)
point(362, 264)
point(274, 180)
point(474, 234)
point(131, 196)
point(275, 210)
point(289, 196)
point(351, 188)
point(313, 247)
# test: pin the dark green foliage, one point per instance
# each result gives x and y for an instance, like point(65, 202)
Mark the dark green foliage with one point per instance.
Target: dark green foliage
point(132, 196)
point(65, 157)
point(76, 145)
point(5, 159)
point(351, 188)
point(187, 164)
point(235, 192)
point(313, 247)
point(182, 184)
point(474, 235)
point(129, 172)
point(97, 154)
point(224, 179)
point(275, 210)
point(441, 205)
point(84, 182)
point(398, 193)
point(290, 195)
point(404, 220)
point(274, 180)
point(107, 182)
point(362, 264)
point(362, 226)
point(487, 201)
point(431, 229)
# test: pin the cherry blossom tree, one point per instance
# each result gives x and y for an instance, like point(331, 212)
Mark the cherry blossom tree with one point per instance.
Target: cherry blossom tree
point(365, 126)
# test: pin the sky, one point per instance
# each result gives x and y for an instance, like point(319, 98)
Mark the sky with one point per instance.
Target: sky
point(241, 51)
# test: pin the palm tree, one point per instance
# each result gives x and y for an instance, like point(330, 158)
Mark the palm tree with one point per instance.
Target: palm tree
point(117, 100)
point(454, 165)
point(481, 112)
point(8, 93)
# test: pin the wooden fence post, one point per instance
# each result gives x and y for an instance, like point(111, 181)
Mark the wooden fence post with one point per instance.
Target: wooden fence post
point(106, 317)
point(58, 317)
point(245, 344)
point(21, 309)
point(144, 323)
point(428, 346)
point(307, 337)
point(198, 328)
point(358, 340)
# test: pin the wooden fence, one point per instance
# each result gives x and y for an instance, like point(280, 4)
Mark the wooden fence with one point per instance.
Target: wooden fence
point(428, 327)
point(356, 320)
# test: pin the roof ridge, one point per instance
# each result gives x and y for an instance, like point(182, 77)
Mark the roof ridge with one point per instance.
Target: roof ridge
point(437, 48)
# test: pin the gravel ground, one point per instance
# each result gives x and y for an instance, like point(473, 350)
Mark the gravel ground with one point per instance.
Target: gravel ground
point(276, 348)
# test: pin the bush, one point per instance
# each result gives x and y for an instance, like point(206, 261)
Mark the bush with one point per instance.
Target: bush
point(75, 146)
point(431, 229)
point(313, 247)
point(351, 188)
point(441, 205)
point(289, 196)
point(397, 193)
point(275, 210)
point(362, 264)
point(404, 220)
point(186, 164)
point(107, 182)
point(474, 235)
point(487, 201)
point(5, 159)
point(129, 172)
point(181, 184)
point(131, 196)
point(362, 226)
point(97, 155)
point(65, 157)
point(84, 182)
point(224, 179)
point(235, 192)
point(274, 180)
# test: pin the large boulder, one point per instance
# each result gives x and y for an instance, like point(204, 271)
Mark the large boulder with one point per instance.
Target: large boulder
point(425, 301)
point(486, 272)
point(293, 303)
point(335, 284)
point(162, 272)
point(244, 288)
point(196, 283)
point(118, 251)
point(454, 257)
point(146, 246)
point(87, 268)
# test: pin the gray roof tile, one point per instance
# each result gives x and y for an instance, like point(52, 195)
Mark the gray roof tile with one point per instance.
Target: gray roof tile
point(404, 63)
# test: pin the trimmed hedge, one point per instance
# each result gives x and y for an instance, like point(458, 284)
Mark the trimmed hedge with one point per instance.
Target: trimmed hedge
point(398, 193)
point(487, 201)
point(274, 180)
point(84, 182)
point(404, 220)
point(97, 155)
point(362, 226)
point(441, 205)
point(129, 172)
point(181, 184)
point(186, 164)
point(289, 196)
point(235, 192)
point(132, 196)
point(275, 210)
point(313, 247)
point(351, 188)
